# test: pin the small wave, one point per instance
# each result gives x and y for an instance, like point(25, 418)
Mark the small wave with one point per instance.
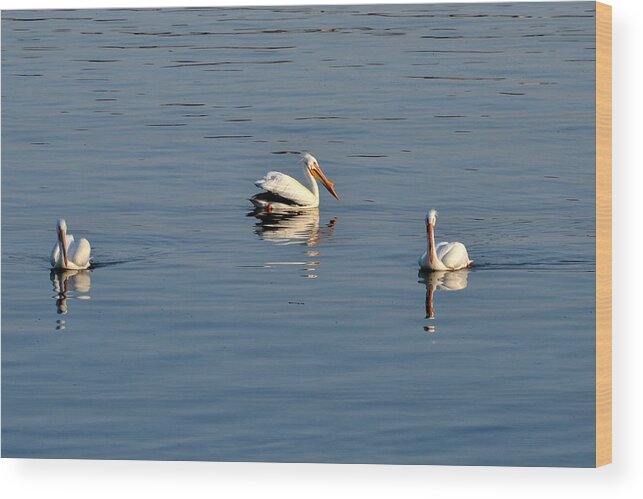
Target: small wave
point(533, 266)
point(168, 124)
point(459, 78)
point(183, 104)
point(228, 137)
point(321, 118)
point(110, 263)
point(220, 63)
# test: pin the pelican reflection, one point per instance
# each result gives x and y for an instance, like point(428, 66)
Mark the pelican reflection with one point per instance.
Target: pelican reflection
point(441, 280)
point(300, 227)
point(295, 228)
point(69, 284)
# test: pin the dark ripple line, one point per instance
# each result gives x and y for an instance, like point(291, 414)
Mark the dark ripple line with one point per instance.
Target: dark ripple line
point(186, 104)
point(234, 47)
point(458, 78)
point(140, 46)
point(96, 60)
point(457, 51)
point(168, 124)
point(571, 264)
point(251, 31)
point(571, 16)
point(321, 118)
point(500, 16)
point(227, 137)
point(32, 19)
point(221, 63)
point(458, 37)
point(109, 263)
point(388, 34)
point(42, 49)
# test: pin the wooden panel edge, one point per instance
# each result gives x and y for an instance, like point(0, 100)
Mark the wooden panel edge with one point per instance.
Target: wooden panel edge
point(603, 234)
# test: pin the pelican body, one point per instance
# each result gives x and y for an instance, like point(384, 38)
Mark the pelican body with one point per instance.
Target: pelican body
point(67, 254)
point(444, 256)
point(285, 193)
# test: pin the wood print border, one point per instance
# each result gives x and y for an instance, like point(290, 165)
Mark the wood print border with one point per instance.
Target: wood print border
point(603, 234)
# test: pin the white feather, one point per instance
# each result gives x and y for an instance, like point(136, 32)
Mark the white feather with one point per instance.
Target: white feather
point(287, 187)
point(453, 255)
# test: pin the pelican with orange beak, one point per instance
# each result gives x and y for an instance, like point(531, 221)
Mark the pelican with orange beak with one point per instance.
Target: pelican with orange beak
point(444, 256)
point(284, 193)
point(68, 254)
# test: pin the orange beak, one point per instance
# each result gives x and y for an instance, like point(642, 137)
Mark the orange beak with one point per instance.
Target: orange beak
point(329, 184)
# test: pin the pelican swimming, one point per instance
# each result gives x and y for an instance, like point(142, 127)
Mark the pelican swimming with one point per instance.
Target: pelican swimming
point(68, 254)
point(285, 193)
point(444, 256)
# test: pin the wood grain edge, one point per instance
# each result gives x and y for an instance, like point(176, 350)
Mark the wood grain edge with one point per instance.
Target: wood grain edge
point(603, 234)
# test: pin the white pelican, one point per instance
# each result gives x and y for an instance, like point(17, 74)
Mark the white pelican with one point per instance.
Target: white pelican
point(68, 254)
point(444, 256)
point(286, 193)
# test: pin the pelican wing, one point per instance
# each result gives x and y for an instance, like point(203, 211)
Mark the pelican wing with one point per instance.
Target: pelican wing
point(286, 187)
point(453, 255)
point(442, 248)
point(79, 252)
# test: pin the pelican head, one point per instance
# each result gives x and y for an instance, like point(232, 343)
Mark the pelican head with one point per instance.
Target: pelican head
point(61, 227)
point(431, 217)
point(315, 170)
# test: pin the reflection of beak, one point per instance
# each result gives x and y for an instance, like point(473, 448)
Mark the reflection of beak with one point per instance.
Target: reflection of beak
point(63, 243)
point(319, 175)
point(430, 311)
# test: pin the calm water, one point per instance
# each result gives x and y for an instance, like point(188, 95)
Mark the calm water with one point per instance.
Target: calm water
point(205, 333)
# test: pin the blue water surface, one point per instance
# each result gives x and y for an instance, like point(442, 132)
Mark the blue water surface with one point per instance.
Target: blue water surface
point(206, 332)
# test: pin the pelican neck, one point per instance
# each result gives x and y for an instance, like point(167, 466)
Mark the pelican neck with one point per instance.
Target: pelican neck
point(314, 188)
